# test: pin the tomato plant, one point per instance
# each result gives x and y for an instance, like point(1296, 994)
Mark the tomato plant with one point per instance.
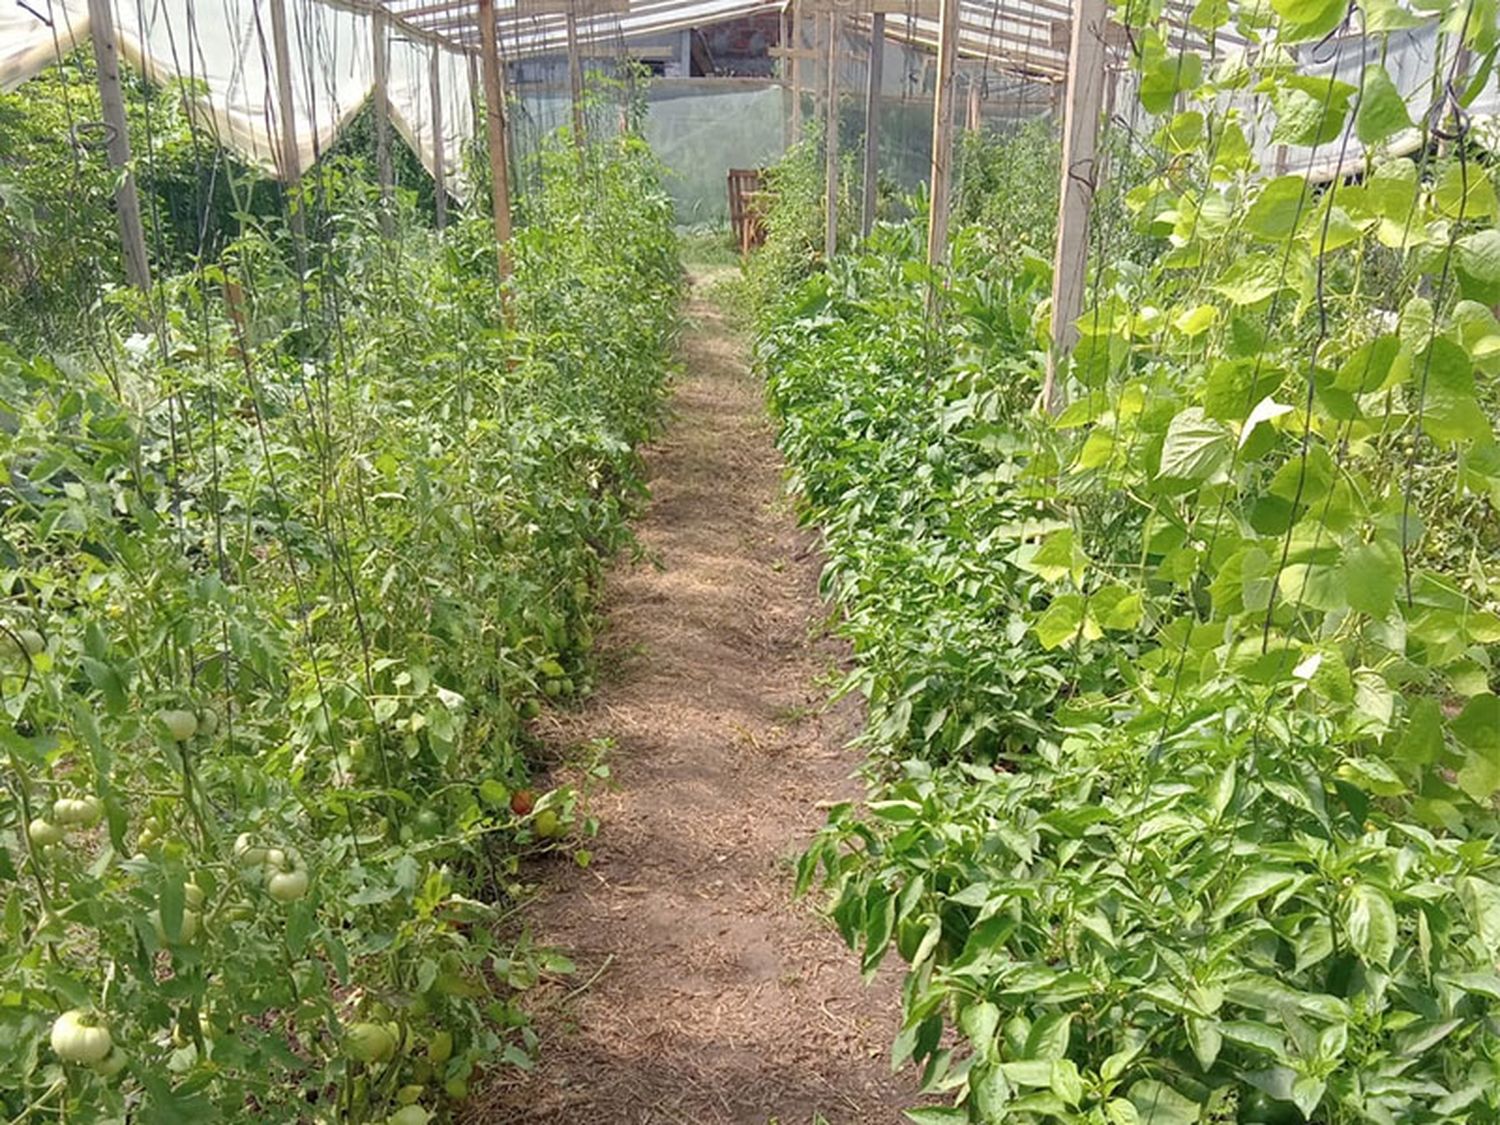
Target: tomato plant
point(281, 578)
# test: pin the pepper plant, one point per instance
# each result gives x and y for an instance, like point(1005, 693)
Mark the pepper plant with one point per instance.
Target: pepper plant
point(1235, 857)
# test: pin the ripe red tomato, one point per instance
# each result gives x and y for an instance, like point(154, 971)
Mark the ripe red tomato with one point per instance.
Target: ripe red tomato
point(522, 801)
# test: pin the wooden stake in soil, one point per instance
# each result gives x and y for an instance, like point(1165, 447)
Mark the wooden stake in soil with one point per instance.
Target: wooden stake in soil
point(1080, 134)
point(382, 106)
point(942, 133)
point(575, 75)
point(872, 120)
point(831, 142)
point(494, 101)
point(439, 166)
point(796, 46)
point(289, 162)
point(112, 98)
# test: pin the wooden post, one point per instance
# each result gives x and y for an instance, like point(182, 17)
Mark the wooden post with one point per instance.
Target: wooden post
point(942, 133)
point(973, 118)
point(575, 75)
point(1080, 134)
point(439, 165)
point(795, 46)
point(789, 134)
point(112, 98)
point(290, 164)
point(382, 107)
point(494, 117)
point(831, 141)
point(872, 120)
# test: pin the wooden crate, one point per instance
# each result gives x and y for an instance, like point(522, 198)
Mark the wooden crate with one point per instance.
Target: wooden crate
point(745, 186)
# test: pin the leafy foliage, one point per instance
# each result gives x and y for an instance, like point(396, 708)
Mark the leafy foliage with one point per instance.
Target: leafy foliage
point(281, 580)
point(1183, 702)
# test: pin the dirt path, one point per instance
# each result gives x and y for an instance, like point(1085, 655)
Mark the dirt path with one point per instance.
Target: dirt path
point(718, 999)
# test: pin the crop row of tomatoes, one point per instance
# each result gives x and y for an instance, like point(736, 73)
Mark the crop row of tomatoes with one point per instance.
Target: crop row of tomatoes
point(281, 582)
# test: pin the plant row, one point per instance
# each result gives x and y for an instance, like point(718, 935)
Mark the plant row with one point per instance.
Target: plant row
point(288, 559)
point(1182, 716)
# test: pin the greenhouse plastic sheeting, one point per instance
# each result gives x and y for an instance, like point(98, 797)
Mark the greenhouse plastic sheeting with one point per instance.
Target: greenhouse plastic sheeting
point(223, 47)
point(700, 136)
point(699, 128)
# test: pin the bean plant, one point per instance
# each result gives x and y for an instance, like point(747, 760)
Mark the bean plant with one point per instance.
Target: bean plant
point(1185, 741)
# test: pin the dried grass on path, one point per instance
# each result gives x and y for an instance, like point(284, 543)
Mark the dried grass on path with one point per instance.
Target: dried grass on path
point(720, 1000)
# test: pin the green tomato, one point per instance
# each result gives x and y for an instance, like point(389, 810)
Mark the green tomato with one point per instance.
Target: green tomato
point(82, 811)
point(548, 825)
point(408, 1095)
point(456, 1088)
point(208, 722)
point(78, 1037)
point(440, 1047)
point(287, 886)
point(370, 1043)
point(248, 852)
point(181, 725)
point(553, 688)
point(193, 895)
point(44, 833)
point(185, 934)
point(530, 709)
point(409, 1115)
point(111, 1064)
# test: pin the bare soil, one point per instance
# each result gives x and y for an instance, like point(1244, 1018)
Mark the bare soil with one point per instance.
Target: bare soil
point(704, 992)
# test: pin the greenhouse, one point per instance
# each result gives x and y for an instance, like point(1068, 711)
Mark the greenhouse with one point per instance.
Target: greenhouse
point(824, 562)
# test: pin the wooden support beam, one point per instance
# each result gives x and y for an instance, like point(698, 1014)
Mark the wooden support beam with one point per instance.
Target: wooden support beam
point(589, 9)
point(919, 9)
point(379, 35)
point(575, 77)
point(972, 121)
point(112, 99)
point(1080, 134)
point(494, 119)
point(831, 142)
point(439, 160)
point(289, 159)
point(942, 135)
point(873, 78)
